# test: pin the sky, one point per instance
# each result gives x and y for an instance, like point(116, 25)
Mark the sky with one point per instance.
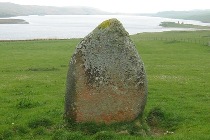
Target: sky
point(124, 6)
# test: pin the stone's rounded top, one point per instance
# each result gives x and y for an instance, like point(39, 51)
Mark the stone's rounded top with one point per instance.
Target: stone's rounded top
point(105, 24)
point(111, 25)
point(108, 23)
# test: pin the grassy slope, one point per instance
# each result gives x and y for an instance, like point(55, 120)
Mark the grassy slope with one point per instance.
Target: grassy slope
point(179, 79)
point(33, 76)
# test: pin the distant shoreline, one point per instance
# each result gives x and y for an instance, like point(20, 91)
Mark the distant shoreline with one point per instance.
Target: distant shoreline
point(13, 21)
point(51, 39)
point(77, 26)
point(167, 24)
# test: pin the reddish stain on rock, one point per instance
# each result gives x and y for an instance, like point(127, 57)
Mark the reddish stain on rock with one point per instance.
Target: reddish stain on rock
point(106, 81)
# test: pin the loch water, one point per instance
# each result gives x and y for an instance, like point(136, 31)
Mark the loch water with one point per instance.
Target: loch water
point(78, 26)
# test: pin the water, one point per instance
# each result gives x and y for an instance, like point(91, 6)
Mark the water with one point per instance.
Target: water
point(78, 26)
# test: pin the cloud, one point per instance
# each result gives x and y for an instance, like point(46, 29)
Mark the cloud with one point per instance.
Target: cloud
point(126, 6)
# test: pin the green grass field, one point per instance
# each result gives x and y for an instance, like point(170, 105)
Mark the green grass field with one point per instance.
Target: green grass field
point(33, 78)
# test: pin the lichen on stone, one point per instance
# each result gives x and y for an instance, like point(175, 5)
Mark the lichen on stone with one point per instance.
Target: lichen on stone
point(105, 24)
point(109, 79)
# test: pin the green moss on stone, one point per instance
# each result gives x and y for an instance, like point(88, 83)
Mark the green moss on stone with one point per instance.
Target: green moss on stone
point(105, 24)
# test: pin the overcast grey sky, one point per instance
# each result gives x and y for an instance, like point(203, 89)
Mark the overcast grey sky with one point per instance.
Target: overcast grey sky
point(126, 6)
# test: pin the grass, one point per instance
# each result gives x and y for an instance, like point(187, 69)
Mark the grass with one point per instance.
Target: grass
point(32, 87)
point(198, 37)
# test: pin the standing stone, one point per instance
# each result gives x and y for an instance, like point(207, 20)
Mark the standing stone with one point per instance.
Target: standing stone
point(106, 81)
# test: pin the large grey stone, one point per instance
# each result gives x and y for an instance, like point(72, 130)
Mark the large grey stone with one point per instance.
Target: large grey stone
point(106, 81)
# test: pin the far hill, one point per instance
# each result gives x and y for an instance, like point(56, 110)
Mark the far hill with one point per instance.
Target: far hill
point(200, 15)
point(11, 9)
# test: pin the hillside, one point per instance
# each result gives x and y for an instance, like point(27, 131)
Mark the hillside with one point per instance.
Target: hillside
point(33, 78)
point(200, 15)
point(10, 10)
